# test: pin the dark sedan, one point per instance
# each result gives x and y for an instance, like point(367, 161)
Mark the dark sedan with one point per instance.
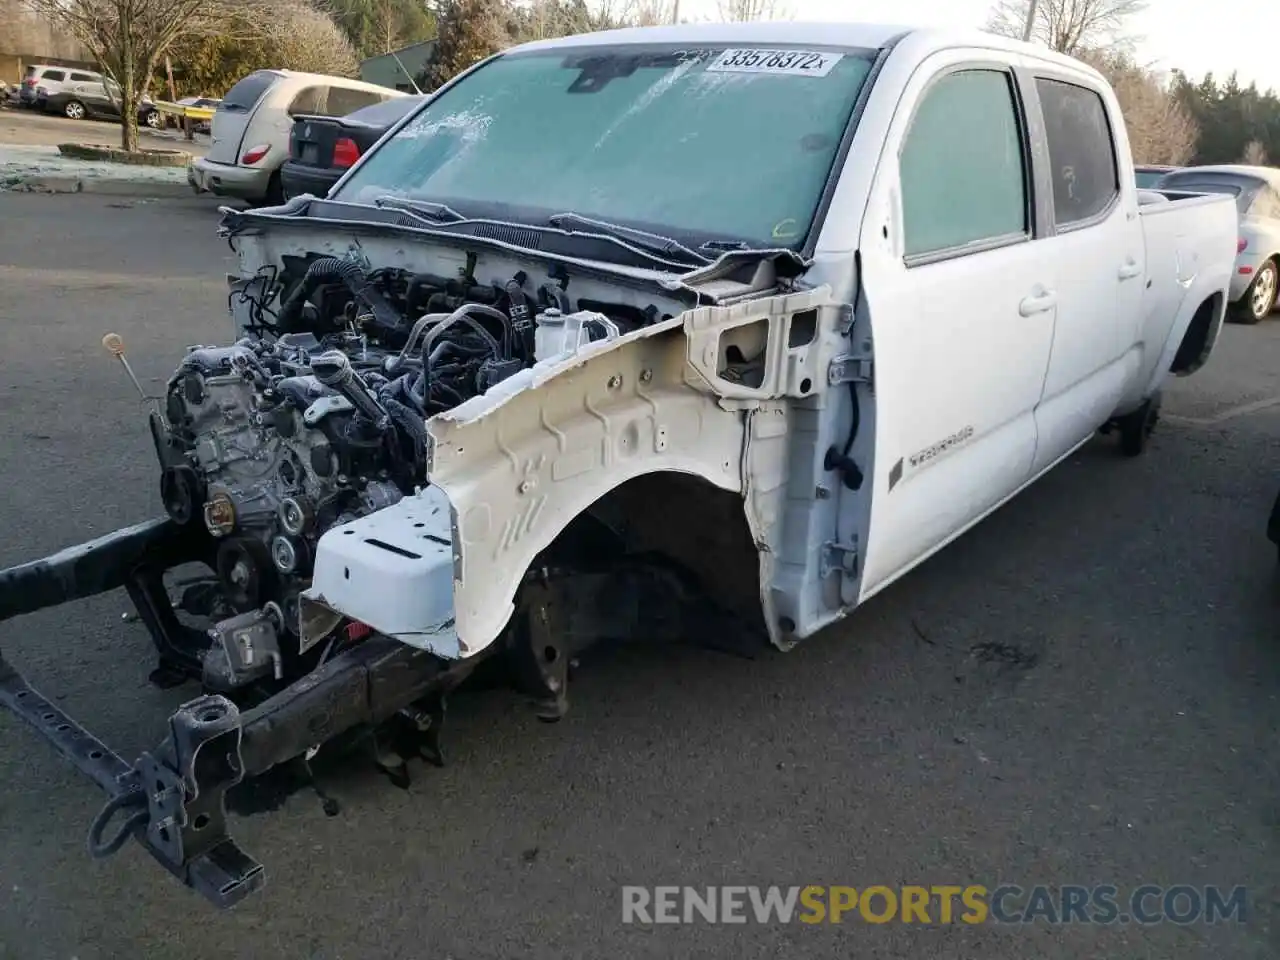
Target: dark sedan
point(321, 149)
point(94, 102)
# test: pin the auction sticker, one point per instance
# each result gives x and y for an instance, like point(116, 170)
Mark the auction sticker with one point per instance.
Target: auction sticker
point(796, 63)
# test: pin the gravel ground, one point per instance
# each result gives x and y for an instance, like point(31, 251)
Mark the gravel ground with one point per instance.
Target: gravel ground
point(1082, 690)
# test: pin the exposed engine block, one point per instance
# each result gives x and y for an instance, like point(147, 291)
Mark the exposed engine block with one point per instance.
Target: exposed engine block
point(319, 419)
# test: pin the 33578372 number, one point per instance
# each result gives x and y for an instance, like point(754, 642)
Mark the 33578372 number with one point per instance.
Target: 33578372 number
point(804, 63)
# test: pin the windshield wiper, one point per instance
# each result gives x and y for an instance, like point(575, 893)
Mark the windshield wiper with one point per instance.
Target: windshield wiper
point(651, 242)
point(426, 210)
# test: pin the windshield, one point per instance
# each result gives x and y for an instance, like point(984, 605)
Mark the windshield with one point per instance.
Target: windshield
point(696, 144)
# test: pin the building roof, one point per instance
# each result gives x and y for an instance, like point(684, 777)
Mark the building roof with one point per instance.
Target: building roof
point(410, 50)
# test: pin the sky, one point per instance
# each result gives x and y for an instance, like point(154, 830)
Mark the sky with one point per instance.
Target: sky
point(1194, 35)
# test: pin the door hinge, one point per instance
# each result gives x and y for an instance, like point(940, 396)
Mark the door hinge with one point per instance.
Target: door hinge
point(842, 557)
point(850, 368)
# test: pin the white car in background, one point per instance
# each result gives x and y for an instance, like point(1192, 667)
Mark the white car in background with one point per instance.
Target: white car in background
point(251, 125)
point(1256, 281)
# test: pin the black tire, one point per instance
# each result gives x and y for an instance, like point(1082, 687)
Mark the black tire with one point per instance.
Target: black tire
point(154, 119)
point(275, 191)
point(1136, 428)
point(1251, 309)
point(74, 110)
point(1273, 524)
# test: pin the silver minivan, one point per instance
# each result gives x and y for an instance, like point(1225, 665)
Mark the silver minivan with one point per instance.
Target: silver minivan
point(250, 135)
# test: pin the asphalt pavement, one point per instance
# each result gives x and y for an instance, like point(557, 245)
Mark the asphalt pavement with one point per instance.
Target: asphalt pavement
point(1082, 690)
point(31, 127)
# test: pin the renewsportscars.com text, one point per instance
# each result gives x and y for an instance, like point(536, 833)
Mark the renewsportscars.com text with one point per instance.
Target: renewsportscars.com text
point(1181, 904)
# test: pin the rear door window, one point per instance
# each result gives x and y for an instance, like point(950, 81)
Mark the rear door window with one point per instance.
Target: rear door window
point(309, 101)
point(245, 94)
point(83, 78)
point(1266, 204)
point(56, 75)
point(345, 100)
point(1082, 151)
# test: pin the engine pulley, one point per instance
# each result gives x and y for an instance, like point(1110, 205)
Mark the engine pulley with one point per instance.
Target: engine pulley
point(181, 492)
point(246, 572)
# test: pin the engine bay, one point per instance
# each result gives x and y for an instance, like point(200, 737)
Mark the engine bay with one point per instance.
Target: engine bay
point(316, 416)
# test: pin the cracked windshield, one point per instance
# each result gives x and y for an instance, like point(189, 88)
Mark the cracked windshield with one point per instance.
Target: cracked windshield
point(727, 144)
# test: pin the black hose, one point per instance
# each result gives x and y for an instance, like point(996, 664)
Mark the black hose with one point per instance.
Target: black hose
point(556, 294)
point(461, 314)
point(412, 424)
point(484, 311)
point(351, 274)
point(100, 850)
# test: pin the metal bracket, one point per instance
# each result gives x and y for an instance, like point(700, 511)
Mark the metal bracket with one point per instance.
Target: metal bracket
point(845, 318)
point(842, 557)
point(850, 368)
point(324, 406)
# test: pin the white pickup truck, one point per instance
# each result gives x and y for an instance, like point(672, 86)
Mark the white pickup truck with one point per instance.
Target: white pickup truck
point(708, 331)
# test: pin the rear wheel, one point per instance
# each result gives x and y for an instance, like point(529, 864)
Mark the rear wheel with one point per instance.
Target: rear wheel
point(154, 119)
point(275, 191)
point(74, 110)
point(1259, 300)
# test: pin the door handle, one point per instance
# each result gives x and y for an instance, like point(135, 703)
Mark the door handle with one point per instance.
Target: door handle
point(1129, 269)
point(1040, 302)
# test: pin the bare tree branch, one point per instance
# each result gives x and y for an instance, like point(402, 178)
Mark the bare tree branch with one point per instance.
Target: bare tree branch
point(129, 37)
point(753, 10)
point(1160, 128)
point(1070, 26)
point(1255, 154)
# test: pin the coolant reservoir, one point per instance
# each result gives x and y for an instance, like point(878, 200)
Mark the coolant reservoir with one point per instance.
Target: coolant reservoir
point(559, 334)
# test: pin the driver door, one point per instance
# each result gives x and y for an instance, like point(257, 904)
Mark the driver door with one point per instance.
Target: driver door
point(962, 309)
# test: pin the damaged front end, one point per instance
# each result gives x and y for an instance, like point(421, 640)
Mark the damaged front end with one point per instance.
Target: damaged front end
point(415, 461)
point(172, 800)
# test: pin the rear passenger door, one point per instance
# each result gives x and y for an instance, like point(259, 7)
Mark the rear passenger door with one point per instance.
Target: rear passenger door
point(1095, 240)
point(961, 301)
point(88, 89)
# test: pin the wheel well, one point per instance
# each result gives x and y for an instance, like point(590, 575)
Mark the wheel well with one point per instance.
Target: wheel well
point(686, 519)
point(1191, 352)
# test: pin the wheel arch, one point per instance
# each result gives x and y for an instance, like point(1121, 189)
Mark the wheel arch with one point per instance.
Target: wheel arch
point(1200, 336)
point(518, 466)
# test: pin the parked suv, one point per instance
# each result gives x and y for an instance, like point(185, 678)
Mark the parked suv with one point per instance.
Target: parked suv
point(40, 74)
point(1256, 280)
point(251, 126)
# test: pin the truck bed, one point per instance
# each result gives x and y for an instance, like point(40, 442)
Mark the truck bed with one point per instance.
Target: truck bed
point(1186, 237)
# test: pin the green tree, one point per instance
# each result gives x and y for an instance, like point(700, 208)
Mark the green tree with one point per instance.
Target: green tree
point(376, 27)
point(1231, 117)
point(469, 31)
point(304, 38)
